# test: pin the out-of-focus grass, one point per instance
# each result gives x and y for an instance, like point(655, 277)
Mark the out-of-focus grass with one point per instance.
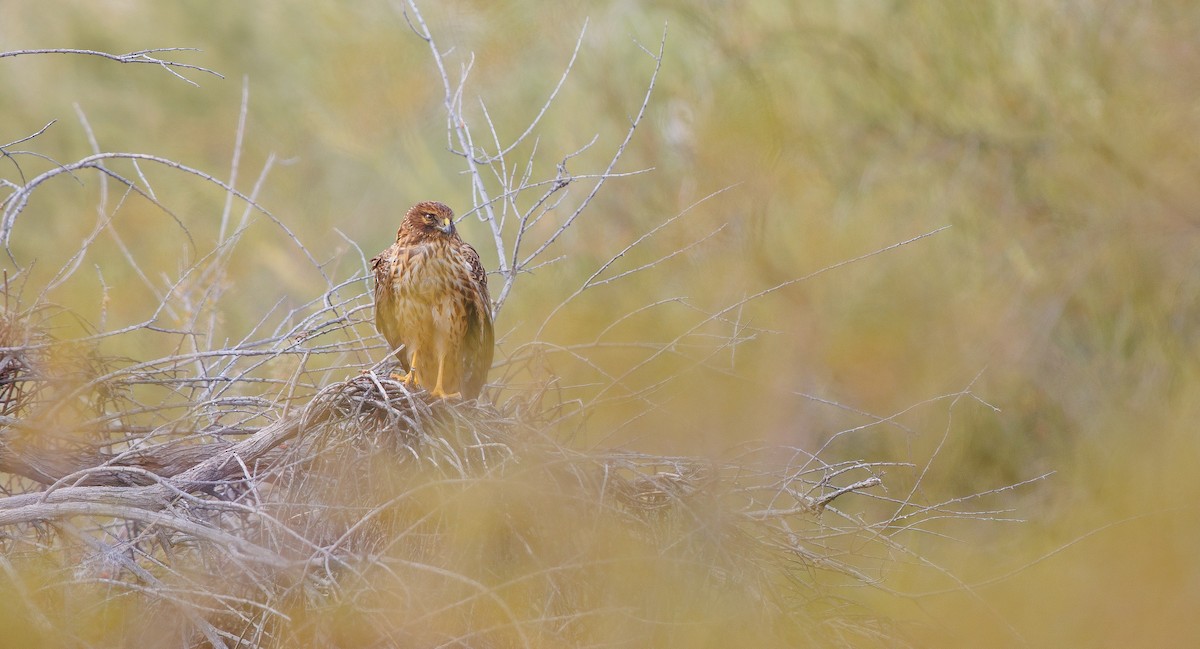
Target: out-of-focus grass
point(1057, 138)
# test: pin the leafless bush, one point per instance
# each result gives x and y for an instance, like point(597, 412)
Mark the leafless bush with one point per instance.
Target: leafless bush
point(276, 488)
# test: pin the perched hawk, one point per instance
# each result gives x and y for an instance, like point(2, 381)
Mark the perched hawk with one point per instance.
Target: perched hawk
point(432, 304)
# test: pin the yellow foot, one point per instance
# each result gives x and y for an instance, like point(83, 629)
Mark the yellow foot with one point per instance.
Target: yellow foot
point(407, 379)
point(438, 392)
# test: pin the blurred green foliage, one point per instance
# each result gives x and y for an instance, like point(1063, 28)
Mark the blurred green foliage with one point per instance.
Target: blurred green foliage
point(1058, 139)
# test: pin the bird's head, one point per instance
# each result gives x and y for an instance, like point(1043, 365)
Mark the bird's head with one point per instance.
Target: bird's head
point(428, 219)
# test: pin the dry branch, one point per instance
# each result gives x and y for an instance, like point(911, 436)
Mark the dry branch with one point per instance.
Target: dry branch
point(87, 467)
point(196, 469)
point(499, 190)
point(140, 56)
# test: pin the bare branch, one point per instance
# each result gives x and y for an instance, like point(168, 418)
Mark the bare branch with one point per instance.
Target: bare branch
point(140, 56)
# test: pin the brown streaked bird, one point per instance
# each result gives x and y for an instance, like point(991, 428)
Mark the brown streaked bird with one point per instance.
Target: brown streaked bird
point(432, 304)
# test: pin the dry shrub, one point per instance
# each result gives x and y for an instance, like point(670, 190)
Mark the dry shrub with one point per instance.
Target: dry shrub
point(376, 518)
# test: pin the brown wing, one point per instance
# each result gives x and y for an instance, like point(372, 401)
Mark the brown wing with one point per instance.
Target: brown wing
point(479, 343)
point(386, 318)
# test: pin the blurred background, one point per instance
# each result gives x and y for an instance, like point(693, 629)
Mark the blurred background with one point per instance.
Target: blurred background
point(1052, 327)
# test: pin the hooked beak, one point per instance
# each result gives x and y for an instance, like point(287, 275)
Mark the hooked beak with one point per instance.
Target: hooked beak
point(447, 226)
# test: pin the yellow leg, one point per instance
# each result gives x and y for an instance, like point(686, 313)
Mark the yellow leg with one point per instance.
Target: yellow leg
point(438, 391)
point(410, 378)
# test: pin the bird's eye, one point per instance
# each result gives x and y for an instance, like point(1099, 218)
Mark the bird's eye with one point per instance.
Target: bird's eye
point(429, 218)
